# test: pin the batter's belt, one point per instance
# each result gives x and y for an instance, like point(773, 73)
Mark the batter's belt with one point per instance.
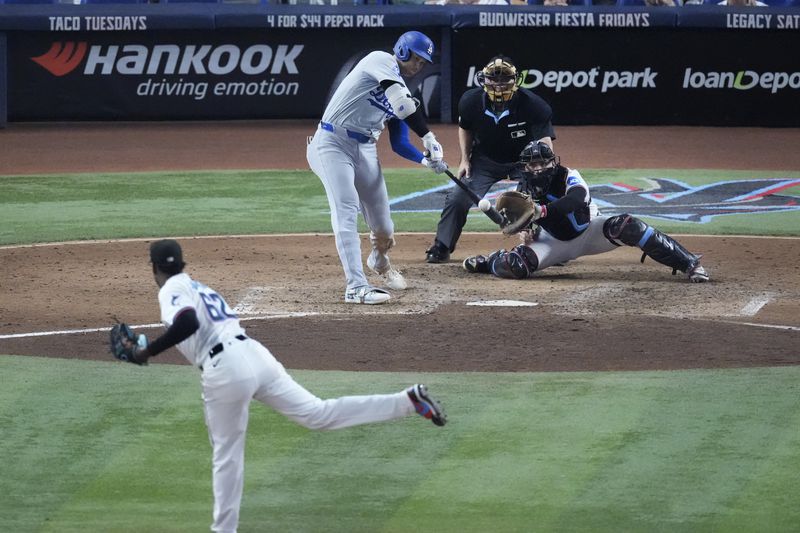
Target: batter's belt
point(344, 132)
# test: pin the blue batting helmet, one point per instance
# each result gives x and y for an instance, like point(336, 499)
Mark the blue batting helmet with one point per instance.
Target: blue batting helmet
point(414, 41)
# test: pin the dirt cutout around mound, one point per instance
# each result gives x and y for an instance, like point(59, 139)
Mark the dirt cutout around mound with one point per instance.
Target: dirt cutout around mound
point(606, 312)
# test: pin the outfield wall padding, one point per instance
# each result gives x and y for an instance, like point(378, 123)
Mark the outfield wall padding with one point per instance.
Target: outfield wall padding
point(703, 65)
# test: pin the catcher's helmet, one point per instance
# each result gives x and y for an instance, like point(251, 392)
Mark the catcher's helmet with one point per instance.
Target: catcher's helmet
point(499, 80)
point(536, 181)
point(416, 42)
point(537, 152)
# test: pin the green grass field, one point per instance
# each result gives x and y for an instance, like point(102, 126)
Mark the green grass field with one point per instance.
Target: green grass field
point(96, 446)
point(100, 206)
point(107, 447)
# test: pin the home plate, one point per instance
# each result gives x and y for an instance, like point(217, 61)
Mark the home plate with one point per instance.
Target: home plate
point(504, 303)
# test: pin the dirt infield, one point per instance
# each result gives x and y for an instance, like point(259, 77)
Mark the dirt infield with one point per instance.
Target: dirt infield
point(597, 313)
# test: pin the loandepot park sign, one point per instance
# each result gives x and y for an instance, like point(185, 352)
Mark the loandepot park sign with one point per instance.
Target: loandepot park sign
point(666, 199)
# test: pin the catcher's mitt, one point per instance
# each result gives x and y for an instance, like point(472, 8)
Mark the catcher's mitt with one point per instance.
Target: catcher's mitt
point(124, 343)
point(519, 210)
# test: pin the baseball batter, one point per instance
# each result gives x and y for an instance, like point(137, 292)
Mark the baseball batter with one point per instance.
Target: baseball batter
point(236, 369)
point(567, 226)
point(343, 154)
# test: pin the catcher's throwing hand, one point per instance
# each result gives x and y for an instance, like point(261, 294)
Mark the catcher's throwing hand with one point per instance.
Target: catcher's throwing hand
point(520, 211)
point(126, 345)
point(526, 236)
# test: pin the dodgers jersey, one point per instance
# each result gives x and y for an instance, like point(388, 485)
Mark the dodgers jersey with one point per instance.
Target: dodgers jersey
point(359, 103)
point(217, 321)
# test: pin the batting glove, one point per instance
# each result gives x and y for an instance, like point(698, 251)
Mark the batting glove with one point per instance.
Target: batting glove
point(432, 146)
point(437, 166)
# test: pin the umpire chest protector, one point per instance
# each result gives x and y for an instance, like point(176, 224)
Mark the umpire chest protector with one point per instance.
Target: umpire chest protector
point(501, 137)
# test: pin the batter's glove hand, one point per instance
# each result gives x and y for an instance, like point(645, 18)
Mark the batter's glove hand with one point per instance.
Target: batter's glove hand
point(520, 211)
point(437, 166)
point(125, 344)
point(433, 150)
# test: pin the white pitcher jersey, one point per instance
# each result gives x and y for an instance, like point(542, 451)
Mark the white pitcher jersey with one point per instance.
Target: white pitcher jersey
point(217, 320)
point(359, 103)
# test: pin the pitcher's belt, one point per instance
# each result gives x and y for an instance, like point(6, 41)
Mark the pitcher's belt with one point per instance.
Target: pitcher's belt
point(217, 348)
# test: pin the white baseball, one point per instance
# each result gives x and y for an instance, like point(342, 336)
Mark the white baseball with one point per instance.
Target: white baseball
point(484, 205)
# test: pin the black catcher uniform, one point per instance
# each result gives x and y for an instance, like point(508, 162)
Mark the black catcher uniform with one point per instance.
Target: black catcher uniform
point(569, 227)
point(495, 122)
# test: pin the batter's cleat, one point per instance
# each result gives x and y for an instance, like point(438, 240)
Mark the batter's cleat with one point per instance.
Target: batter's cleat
point(697, 274)
point(437, 254)
point(395, 280)
point(426, 406)
point(477, 264)
point(391, 276)
point(366, 295)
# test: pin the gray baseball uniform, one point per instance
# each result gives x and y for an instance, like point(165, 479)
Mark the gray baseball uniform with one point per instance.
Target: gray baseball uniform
point(344, 155)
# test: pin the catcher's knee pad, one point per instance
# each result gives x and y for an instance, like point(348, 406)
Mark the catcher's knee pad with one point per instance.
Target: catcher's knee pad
point(381, 242)
point(519, 263)
point(627, 229)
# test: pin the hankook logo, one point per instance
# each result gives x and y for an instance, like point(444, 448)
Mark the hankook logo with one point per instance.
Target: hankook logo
point(62, 58)
point(165, 59)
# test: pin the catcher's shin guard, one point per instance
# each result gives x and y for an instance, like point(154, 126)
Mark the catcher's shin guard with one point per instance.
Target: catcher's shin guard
point(629, 230)
point(519, 263)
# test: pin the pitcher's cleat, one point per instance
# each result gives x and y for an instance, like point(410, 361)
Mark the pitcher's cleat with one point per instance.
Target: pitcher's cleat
point(425, 405)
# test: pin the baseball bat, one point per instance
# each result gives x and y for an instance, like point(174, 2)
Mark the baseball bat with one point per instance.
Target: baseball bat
point(492, 213)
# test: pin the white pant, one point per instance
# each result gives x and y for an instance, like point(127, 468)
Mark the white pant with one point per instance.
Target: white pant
point(352, 177)
point(245, 370)
point(550, 250)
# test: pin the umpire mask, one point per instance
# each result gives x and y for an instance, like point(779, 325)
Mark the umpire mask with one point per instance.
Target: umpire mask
point(500, 81)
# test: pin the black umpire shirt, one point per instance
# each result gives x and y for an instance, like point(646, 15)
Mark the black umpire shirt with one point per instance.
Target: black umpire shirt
point(501, 138)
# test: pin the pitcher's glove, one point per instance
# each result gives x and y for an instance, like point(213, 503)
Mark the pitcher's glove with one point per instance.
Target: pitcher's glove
point(125, 344)
point(519, 210)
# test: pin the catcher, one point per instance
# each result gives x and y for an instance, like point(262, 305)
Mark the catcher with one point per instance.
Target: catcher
point(553, 212)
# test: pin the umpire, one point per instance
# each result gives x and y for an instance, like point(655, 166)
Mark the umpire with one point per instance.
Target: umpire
point(496, 121)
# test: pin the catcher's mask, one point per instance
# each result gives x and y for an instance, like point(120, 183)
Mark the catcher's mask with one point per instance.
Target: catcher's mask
point(539, 165)
point(500, 81)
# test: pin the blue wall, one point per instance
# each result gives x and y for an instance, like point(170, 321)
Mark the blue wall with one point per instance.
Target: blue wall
point(694, 65)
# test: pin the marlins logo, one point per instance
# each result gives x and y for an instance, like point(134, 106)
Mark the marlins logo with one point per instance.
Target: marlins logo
point(667, 199)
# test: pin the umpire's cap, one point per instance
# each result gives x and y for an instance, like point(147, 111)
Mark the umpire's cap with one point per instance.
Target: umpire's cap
point(167, 253)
